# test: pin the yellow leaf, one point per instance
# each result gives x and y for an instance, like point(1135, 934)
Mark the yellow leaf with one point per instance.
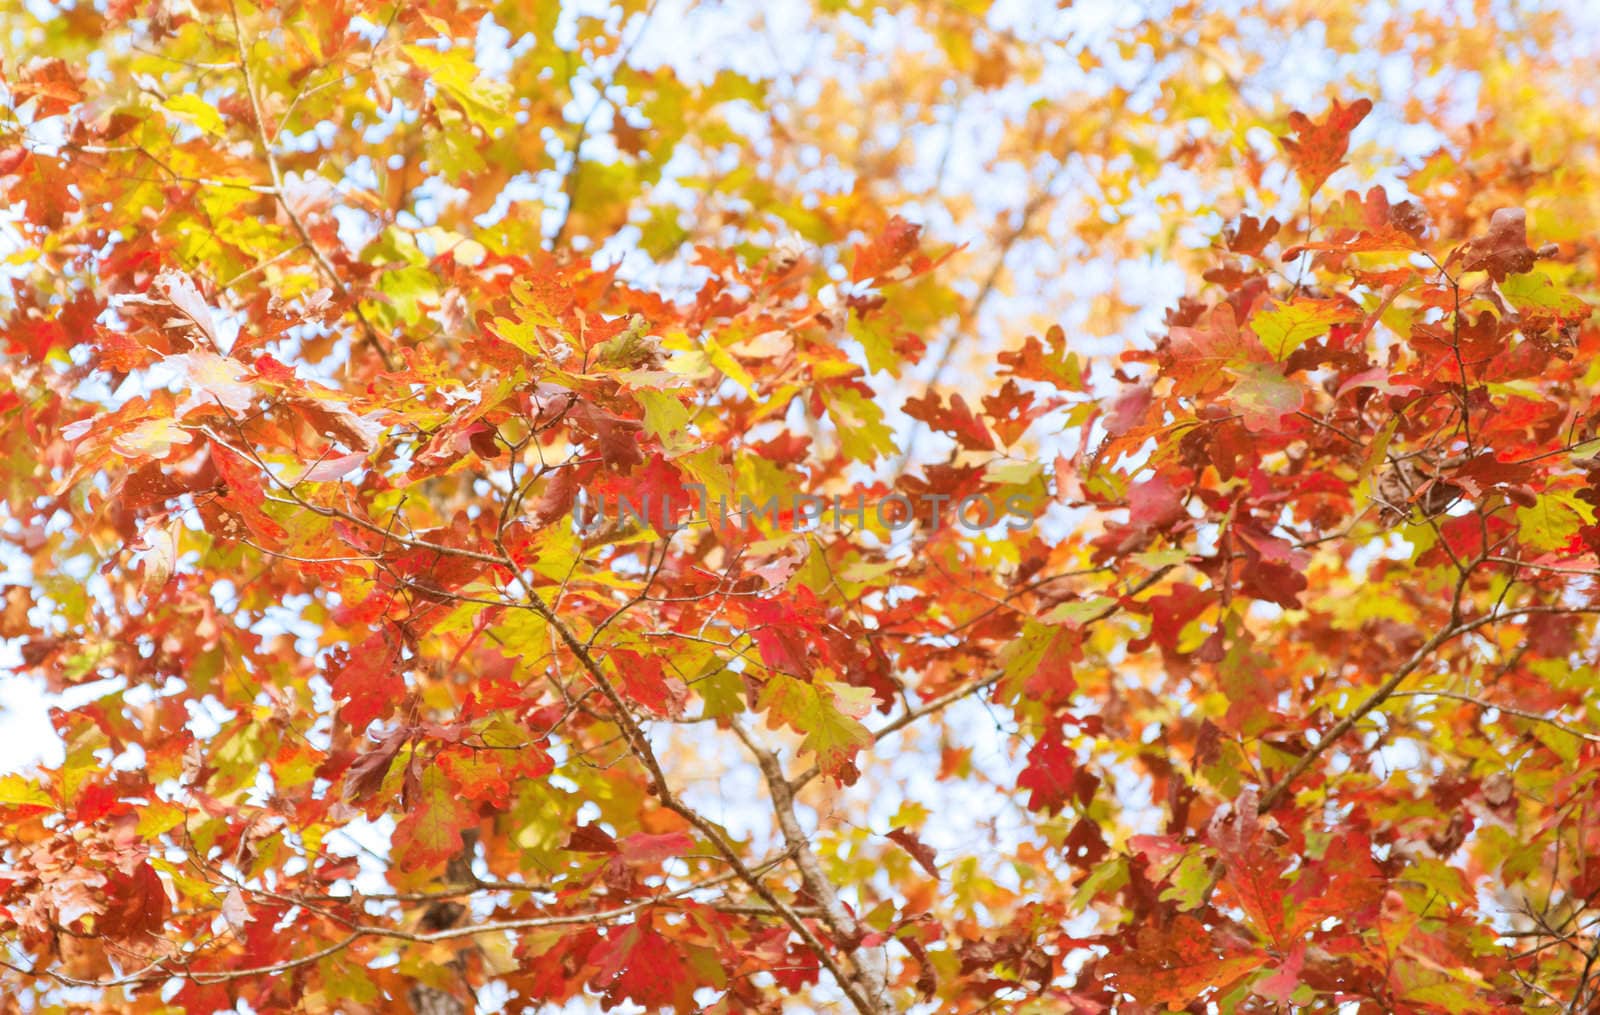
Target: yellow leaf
point(152, 438)
point(159, 816)
point(198, 112)
point(1288, 326)
point(15, 791)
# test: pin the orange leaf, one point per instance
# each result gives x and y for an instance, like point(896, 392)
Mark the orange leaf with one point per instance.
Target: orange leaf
point(1176, 966)
point(1319, 148)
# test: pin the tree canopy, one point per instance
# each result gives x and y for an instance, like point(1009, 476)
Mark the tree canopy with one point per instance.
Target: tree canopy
point(834, 506)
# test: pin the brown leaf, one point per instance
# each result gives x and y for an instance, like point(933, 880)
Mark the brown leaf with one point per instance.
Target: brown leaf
point(1503, 250)
point(1178, 964)
point(14, 619)
point(920, 851)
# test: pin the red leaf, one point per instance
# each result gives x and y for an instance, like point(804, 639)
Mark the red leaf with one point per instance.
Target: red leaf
point(1254, 872)
point(1250, 236)
point(1346, 883)
point(1201, 357)
point(640, 965)
point(1055, 365)
point(645, 850)
point(793, 966)
point(479, 774)
point(136, 904)
point(590, 839)
point(242, 496)
point(1175, 966)
point(645, 680)
point(10, 158)
point(51, 81)
point(1051, 681)
point(1051, 775)
point(882, 259)
point(786, 631)
point(366, 774)
point(1129, 409)
point(367, 682)
point(617, 438)
point(956, 420)
point(1319, 148)
point(1011, 411)
point(1154, 504)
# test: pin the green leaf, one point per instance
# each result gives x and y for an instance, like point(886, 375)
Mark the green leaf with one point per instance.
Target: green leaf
point(1551, 523)
point(1191, 880)
point(876, 343)
point(862, 432)
point(1104, 880)
point(723, 360)
point(826, 713)
point(1535, 292)
point(453, 72)
point(667, 419)
point(1288, 326)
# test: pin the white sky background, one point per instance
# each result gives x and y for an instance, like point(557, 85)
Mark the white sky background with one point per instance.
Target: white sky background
point(695, 40)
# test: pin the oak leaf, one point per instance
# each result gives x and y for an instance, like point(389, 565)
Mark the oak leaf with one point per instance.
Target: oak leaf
point(1318, 147)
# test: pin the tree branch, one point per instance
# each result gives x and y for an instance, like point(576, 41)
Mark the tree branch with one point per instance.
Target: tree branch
point(870, 971)
point(640, 746)
point(265, 144)
point(1386, 690)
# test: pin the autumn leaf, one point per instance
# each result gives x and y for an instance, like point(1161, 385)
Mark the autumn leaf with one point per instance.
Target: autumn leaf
point(135, 903)
point(1263, 395)
point(827, 714)
point(161, 557)
point(1050, 361)
point(152, 438)
point(430, 833)
point(1318, 147)
point(214, 381)
point(1251, 235)
point(14, 617)
point(367, 683)
point(243, 497)
point(646, 850)
point(1178, 965)
point(1287, 326)
point(883, 260)
point(955, 419)
point(329, 327)
point(920, 851)
point(1253, 874)
point(1205, 356)
point(1280, 985)
point(236, 911)
point(1502, 250)
point(638, 964)
point(1052, 776)
point(190, 309)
